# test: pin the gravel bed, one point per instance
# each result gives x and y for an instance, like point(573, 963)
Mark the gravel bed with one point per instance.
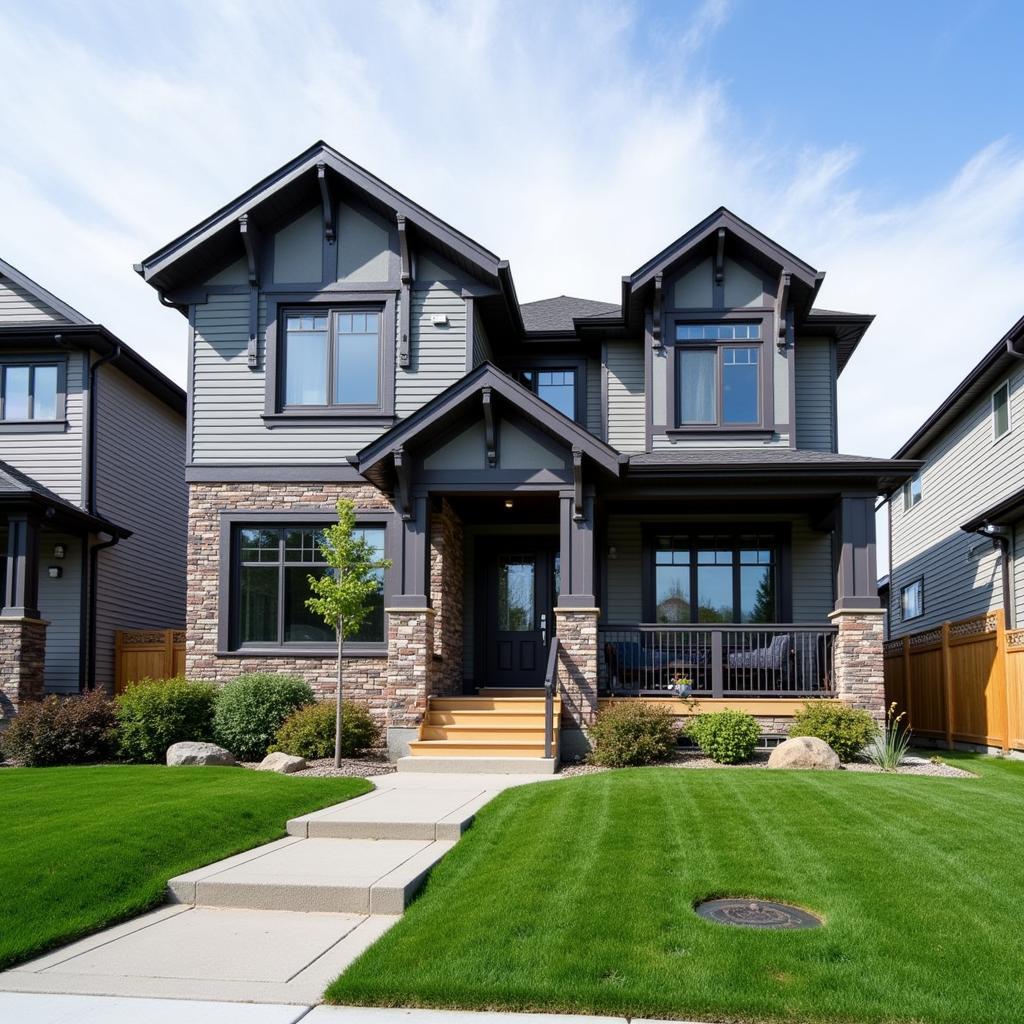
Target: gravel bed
point(351, 767)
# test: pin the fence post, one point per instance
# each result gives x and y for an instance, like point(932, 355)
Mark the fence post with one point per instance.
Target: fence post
point(1002, 677)
point(168, 653)
point(947, 680)
point(118, 662)
point(908, 698)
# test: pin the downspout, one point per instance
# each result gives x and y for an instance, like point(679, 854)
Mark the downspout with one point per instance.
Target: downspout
point(999, 535)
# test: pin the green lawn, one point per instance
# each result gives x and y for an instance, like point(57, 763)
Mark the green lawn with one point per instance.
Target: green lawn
point(81, 848)
point(578, 895)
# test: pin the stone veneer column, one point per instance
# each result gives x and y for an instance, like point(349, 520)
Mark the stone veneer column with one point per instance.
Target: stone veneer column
point(577, 677)
point(859, 674)
point(409, 673)
point(446, 598)
point(22, 657)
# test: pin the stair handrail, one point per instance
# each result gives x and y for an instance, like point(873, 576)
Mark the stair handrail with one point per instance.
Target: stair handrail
point(550, 687)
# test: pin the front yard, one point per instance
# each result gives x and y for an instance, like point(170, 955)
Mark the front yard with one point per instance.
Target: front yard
point(578, 896)
point(81, 848)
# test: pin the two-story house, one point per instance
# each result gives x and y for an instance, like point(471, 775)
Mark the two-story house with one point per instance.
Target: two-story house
point(92, 495)
point(956, 530)
point(610, 497)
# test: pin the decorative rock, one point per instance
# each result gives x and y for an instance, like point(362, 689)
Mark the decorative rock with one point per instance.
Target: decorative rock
point(282, 763)
point(804, 752)
point(191, 753)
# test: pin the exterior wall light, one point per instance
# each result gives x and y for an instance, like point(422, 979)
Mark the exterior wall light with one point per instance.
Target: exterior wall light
point(54, 572)
point(58, 550)
point(508, 503)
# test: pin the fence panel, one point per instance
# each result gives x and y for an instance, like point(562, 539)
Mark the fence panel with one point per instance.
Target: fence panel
point(147, 654)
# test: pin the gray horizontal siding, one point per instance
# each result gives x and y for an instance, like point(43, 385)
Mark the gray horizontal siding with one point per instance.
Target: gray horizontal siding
point(812, 573)
point(482, 351)
point(1018, 574)
point(55, 460)
point(594, 424)
point(626, 403)
point(437, 355)
point(140, 484)
point(623, 572)
point(18, 306)
point(815, 395)
point(965, 472)
point(60, 603)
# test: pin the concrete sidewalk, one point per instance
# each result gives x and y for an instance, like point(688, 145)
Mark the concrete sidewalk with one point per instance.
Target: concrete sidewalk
point(277, 924)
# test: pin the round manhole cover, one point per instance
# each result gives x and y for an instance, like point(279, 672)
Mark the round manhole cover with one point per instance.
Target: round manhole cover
point(756, 914)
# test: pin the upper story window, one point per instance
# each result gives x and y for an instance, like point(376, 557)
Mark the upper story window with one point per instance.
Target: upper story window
point(1001, 411)
point(30, 391)
point(912, 600)
point(333, 359)
point(718, 371)
point(912, 493)
point(556, 387)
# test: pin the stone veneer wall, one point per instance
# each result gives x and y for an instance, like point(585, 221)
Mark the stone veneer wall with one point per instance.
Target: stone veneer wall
point(577, 676)
point(410, 665)
point(446, 598)
point(858, 660)
point(22, 659)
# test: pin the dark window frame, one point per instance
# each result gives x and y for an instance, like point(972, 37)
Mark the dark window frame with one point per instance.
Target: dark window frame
point(58, 423)
point(547, 364)
point(228, 599)
point(1005, 386)
point(909, 501)
point(919, 582)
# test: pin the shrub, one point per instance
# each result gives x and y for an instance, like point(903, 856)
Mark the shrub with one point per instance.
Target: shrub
point(309, 732)
point(62, 730)
point(727, 737)
point(154, 713)
point(632, 733)
point(845, 729)
point(251, 709)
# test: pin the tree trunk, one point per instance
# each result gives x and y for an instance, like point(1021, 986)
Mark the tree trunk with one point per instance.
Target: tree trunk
point(337, 696)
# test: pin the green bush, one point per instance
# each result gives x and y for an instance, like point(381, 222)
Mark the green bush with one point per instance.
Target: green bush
point(309, 732)
point(61, 730)
point(154, 713)
point(632, 733)
point(251, 709)
point(845, 729)
point(727, 737)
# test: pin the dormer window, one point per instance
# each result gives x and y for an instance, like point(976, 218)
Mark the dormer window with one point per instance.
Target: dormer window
point(718, 371)
point(556, 387)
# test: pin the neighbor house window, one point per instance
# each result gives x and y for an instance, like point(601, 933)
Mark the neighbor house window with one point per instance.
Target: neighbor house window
point(912, 600)
point(30, 391)
point(1001, 411)
point(912, 493)
point(715, 579)
point(332, 359)
point(272, 570)
point(718, 374)
point(556, 387)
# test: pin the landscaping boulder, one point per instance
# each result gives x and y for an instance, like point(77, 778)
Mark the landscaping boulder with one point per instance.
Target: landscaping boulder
point(199, 753)
point(282, 763)
point(804, 752)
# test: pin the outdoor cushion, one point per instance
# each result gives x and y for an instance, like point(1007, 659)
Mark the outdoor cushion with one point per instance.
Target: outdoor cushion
point(772, 658)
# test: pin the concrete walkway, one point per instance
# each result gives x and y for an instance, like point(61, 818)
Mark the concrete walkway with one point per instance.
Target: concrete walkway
point(277, 924)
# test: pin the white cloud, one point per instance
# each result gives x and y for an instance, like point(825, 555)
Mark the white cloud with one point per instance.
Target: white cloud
point(541, 130)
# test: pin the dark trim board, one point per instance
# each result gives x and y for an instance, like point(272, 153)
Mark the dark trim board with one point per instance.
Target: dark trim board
point(259, 472)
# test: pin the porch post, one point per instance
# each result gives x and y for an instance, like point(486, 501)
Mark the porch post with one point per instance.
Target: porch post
point(21, 586)
point(858, 661)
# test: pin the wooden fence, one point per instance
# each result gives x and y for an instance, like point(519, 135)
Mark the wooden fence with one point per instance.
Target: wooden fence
point(147, 654)
point(961, 682)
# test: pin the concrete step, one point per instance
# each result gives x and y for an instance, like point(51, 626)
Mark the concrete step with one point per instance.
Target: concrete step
point(482, 765)
point(349, 876)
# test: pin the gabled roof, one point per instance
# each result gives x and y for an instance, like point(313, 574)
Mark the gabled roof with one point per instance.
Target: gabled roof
point(1006, 353)
point(559, 314)
point(452, 402)
point(846, 328)
point(276, 194)
point(60, 307)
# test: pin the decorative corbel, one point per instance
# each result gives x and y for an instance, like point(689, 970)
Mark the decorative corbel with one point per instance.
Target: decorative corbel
point(656, 321)
point(577, 484)
point(325, 199)
point(489, 437)
point(251, 241)
point(720, 257)
point(783, 315)
point(402, 483)
point(404, 298)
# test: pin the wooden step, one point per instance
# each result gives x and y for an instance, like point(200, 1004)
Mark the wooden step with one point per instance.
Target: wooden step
point(481, 731)
point(522, 719)
point(489, 703)
point(477, 748)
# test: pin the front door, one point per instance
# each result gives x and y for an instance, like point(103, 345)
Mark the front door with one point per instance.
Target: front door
point(520, 587)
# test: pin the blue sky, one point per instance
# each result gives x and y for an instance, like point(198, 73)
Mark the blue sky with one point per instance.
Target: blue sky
point(883, 143)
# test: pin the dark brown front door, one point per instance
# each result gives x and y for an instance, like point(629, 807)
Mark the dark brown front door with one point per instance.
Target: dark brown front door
point(519, 589)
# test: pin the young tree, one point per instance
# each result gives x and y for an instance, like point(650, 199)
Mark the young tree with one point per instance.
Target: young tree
point(342, 594)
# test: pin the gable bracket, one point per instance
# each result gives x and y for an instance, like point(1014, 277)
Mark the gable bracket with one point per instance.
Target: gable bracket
point(783, 317)
point(325, 199)
point(404, 298)
point(577, 484)
point(402, 483)
point(656, 321)
point(251, 241)
point(720, 257)
point(487, 398)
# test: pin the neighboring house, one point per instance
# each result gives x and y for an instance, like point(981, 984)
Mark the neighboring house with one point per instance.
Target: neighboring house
point(957, 527)
point(92, 495)
point(653, 482)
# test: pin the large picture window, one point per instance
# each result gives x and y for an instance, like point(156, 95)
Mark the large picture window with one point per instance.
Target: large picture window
point(272, 569)
point(707, 578)
point(718, 374)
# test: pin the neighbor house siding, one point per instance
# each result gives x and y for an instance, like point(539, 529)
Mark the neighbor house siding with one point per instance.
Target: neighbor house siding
point(55, 459)
point(60, 603)
point(140, 485)
point(626, 403)
point(815, 395)
point(17, 306)
point(965, 472)
point(437, 353)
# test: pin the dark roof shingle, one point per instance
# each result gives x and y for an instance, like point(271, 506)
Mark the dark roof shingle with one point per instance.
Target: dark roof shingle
point(558, 313)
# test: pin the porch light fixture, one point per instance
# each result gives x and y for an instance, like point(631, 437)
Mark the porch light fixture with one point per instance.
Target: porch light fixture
point(439, 320)
point(54, 572)
point(508, 503)
point(58, 550)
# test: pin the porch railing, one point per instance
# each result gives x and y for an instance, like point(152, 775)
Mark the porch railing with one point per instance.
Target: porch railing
point(550, 690)
point(778, 660)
